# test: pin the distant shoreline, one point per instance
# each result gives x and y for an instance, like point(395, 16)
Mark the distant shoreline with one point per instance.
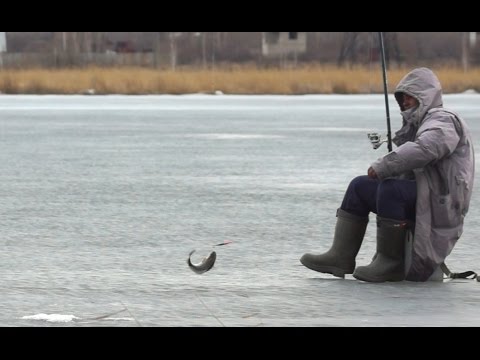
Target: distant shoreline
point(468, 92)
point(237, 81)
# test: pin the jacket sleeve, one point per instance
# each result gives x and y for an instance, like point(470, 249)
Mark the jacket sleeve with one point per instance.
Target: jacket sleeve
point(436, 138)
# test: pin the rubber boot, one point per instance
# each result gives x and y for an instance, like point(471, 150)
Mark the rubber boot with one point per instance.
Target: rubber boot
point(389, 262)
point(340, 259)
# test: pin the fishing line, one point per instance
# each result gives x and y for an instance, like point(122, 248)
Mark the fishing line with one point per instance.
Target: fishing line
point(210, 311)
point(107, 315)
point(134, 318)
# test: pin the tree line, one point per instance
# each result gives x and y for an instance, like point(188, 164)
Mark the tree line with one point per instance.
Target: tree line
point(208, 49)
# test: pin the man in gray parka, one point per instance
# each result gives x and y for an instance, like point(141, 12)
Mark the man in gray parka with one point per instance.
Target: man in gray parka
point(424, 185)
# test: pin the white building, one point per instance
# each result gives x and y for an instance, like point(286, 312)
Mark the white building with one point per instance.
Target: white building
point(284, 43)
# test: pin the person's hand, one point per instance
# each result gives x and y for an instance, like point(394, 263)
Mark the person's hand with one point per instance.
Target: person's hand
point(371, 173)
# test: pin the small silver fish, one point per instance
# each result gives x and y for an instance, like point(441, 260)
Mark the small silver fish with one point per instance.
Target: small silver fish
point(206, 264)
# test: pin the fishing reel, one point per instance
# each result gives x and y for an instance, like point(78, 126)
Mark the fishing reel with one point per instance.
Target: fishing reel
point(376, 140)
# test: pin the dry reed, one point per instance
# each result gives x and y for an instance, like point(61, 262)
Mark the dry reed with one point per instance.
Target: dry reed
point(236, 80)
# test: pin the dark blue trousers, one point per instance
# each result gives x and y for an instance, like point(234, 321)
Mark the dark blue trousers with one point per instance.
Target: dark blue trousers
point(390, 198)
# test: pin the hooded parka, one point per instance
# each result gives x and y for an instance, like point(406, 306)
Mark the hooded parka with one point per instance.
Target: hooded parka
point(435, 145)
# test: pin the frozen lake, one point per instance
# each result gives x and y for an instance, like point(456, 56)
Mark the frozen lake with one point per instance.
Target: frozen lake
point(103, 198)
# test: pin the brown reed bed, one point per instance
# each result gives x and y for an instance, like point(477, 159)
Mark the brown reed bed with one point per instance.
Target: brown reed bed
point(233, 80)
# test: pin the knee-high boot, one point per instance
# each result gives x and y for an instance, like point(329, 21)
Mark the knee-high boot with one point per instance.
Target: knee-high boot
point(340, 259)
point(389, 261)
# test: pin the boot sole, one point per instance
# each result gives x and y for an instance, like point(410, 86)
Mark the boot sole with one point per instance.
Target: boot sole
point(335, 271)
point(378, 279)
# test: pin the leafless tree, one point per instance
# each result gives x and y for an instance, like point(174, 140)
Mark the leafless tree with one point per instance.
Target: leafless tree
point(348, 49)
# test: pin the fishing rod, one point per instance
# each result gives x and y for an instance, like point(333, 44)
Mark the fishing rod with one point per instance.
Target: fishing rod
point(385, 91)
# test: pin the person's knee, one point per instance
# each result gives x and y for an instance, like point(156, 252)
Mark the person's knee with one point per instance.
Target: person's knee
point(359, 181)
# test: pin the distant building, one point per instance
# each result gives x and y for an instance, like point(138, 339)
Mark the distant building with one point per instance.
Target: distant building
point(3, 42)
point(473, 38)
point(474, 48)
point(281, 44)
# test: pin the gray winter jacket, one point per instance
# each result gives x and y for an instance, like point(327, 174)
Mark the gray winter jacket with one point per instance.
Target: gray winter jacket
point(435, 144)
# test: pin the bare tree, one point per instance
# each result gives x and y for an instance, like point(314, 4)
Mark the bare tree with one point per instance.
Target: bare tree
point(465, 50)
point(348, 49)
point(98, 42)
point(173, 49)
point(156, 49)
point(392, 48)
